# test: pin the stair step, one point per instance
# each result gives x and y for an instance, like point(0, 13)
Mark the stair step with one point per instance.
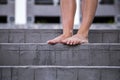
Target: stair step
point(92, 54)
point(43, 35)
point(59, 73)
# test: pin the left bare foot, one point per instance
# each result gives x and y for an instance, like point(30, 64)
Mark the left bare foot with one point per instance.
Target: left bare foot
point(75, 40)
point(58, 39)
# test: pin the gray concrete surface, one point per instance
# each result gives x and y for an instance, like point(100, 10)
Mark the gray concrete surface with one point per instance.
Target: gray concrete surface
point(43, 35)
point(58, 74)
point(92, 54)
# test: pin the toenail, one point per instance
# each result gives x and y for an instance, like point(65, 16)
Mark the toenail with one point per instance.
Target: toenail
point(67, 42)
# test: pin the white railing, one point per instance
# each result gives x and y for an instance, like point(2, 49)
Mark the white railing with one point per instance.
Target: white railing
point(20, 12)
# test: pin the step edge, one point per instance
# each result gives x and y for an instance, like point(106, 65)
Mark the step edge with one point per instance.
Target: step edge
point(65, 67)
point(57, 44)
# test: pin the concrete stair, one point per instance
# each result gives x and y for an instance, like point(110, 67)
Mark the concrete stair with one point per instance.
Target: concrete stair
point(25, 55)
point(42, 35)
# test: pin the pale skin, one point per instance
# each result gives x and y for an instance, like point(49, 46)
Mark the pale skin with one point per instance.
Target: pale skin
point(68, 8)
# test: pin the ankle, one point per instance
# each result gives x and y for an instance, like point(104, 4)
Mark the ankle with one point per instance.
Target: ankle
point(70, 33)
point(83, 34)
point(66, 35)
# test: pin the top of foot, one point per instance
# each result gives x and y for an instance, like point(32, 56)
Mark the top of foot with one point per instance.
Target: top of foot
point(58, 39)
point(75, 40)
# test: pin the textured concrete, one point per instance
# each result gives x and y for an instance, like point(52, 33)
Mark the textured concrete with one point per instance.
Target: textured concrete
point(111, 37)
point(32, 37)
point(0, 73)
point(101, 58)
point(115, 58)
point(64, 74)
point(45, 74)
point(3, 37)
point(16, 37)
point(6, 74)
point(93, 54)
point(95, 37)
point(43, 35)
point(27, 57)
point(110, 75)
point(9, 57)
point(25, 74)
point(89, 74)
point(59, 74)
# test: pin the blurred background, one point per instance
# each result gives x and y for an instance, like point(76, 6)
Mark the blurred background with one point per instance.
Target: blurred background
point(48, 11)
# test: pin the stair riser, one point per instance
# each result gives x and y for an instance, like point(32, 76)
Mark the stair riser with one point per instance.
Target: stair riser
point(31, 54)
point(41, 36)
point(58, 74)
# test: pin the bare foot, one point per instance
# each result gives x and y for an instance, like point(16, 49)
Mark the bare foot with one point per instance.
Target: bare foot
point(58, 39)
point(75, 40)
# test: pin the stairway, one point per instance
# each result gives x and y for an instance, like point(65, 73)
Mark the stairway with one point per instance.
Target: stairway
point(24, 55)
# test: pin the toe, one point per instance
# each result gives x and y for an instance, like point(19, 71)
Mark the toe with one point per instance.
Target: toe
point(68, 42)
point(72, 42)
point(51, 42)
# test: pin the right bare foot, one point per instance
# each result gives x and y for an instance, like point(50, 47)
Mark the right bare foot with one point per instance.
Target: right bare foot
point(58, 39)
point(75, 40)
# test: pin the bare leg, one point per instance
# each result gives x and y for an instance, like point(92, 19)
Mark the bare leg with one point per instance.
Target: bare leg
point(68, 8)
point(88, 13)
